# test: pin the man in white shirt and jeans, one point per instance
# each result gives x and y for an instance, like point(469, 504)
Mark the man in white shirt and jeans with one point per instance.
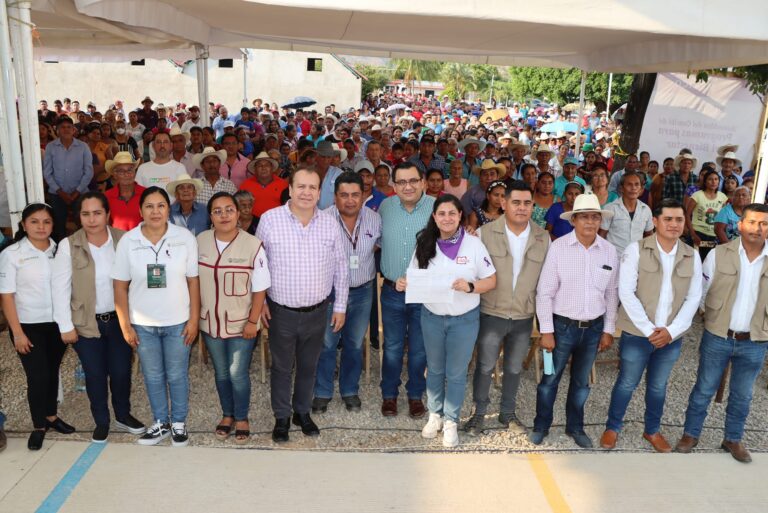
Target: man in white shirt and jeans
point(659, 289)
point(163, 169)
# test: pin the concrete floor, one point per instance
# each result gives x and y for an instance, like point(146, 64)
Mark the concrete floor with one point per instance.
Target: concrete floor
point(131, 479)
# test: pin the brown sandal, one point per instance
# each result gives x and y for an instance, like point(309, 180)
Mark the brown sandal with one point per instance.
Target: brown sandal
point(242, 436)
point(223, 431)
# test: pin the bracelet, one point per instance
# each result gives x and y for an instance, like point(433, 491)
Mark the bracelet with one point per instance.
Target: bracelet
point(254, 323)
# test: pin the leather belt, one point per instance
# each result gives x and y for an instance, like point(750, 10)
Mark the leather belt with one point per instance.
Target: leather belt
point(106, 317)
point(304, 309)
point(738, 335)
point(389, 283)
point(581, 324)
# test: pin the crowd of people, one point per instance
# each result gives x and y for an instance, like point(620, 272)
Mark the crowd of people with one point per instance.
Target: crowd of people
point(165, 222)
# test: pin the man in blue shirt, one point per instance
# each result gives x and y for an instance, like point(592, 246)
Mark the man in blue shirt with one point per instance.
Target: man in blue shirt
point(186, 212)
point(328, 173)
point(67, 170)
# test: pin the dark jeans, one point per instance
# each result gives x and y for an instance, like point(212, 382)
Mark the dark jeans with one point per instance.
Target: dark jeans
point(570, 342)
point(294, 337)
point(60, 213)
point(41, 365)
point(106, 361)
point(637, 355)
point(515, 336)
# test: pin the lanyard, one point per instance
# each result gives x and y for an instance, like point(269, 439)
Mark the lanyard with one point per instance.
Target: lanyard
point(157, 253)
point(357, 232)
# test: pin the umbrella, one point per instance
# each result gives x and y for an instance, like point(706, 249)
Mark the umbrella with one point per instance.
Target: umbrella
point(559, 126)
point(397, 106)
point(494, 115)
point(299, 102)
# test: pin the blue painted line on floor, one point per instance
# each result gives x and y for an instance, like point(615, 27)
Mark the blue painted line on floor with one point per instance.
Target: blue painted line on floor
point(68, 483)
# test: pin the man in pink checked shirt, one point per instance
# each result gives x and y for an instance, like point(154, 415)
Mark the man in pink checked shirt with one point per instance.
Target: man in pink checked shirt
point(577, 300)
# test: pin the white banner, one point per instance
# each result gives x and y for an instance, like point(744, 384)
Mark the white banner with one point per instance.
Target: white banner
point(701, 117)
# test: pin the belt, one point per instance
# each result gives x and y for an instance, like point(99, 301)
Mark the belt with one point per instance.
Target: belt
point(106, 317)
point(738, 335)
point(389, 283)
point(303, 309)
point(581, 324)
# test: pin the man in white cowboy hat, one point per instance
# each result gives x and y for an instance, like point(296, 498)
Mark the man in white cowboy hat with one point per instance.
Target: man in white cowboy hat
point(676, 183)
point(163, 169)
point(209, 162)
point(577, 300)
point(123, 198)
point(179, 153)
point(517, 151)
point(265, 186)
point(187, 212)
point(541, 158)
point(486, 172)
point(729, 163)
point(471, 147)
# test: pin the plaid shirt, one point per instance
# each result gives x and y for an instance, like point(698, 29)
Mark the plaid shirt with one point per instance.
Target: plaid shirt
point(221, 185)
point(437, 162)
point(675, 188)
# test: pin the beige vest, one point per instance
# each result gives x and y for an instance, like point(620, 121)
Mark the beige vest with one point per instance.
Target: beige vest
point(649, 276)
point(722, 294)
point(225, 283)
point(502, 301)
point(83, 301)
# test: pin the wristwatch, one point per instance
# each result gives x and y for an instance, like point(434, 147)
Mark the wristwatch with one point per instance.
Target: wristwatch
point(471, 287)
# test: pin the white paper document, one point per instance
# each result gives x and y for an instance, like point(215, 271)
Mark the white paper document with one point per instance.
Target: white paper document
point(428, 286)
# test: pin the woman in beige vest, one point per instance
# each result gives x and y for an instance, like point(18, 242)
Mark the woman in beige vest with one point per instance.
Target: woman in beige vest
point(234, 279)
point(84, 309)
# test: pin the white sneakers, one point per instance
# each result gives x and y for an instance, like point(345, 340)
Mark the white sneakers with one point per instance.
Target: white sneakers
point(435, 424)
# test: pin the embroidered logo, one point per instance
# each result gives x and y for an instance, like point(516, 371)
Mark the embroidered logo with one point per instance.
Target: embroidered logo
point(487, 262)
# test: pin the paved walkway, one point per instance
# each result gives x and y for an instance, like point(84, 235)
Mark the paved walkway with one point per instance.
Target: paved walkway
point(76, 477)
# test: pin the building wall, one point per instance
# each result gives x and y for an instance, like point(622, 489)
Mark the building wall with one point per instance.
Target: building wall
point(272, 75)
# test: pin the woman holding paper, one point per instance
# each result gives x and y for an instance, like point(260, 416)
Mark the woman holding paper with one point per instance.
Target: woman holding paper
point(450, 328)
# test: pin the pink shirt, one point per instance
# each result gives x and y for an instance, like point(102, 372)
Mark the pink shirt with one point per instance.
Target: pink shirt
point(579, 283)
point(237, 172)
point(456, 191)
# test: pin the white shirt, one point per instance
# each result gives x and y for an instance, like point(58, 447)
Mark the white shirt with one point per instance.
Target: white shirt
point(188, 124)
point(103, 258)
point(746, 294)
point(26, 272)
point(177, 250)
point(260, 277)
point(161, 175)
point(188, 163)
point(471, 263)
point(517, 245)
point(635, 310)
point(623, 229)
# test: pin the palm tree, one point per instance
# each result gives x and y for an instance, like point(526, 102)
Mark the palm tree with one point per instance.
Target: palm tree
point(412, 70)
point(457, 79)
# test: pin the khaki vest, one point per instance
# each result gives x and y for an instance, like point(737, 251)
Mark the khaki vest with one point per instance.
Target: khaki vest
point(649, 276)
point(225, 283)
point(83, 301)
point(502, 301)
point(722, 294)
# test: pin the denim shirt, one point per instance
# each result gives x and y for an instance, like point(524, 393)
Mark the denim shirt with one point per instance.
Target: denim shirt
point(197, 221)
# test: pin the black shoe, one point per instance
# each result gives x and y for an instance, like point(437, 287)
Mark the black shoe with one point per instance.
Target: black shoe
point(537, 437)
point(60, 426)
point(474, 426)
point(581, 439)
point(100, 434)
point(130, 425)
point(156, 433)
point(35, 442)
point(308, 427)
point(280, 432)
point(320, 404)
point(352, 402)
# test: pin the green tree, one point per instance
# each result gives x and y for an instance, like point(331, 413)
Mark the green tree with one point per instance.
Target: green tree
point(563, 85)
point(457, 79)
point(756, 77)
point(375, 78)
point(412, 70)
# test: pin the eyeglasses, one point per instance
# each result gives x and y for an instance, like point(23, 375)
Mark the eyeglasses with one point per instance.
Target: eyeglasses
point(218, 212)
point(412, 182)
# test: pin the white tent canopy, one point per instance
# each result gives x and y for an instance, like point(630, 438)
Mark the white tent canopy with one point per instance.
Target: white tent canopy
point(593, 35)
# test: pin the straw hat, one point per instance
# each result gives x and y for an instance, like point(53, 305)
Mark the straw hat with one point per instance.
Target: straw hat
point(175, 130)
point(725, 148)
point(543, 148)
point(181, 180)
point(208, 151)
point(586, 203)
point(262, 156)
point(121, 157)
point(490, 164)
point(728, 155)
point(685, 156)
point(471, 140)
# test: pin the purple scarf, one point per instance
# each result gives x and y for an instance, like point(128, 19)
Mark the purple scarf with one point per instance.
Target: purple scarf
point(450, 247)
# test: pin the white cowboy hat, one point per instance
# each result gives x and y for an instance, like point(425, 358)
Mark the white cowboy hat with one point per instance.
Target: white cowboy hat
point(561, 135)
point(685, 156)
point(489, 164)
point(181, 180)
point(208, 151)
point(725, 148)
point(121, 157)
point(543, 148)
point(262, 156)
point(175, 130)
point(466, 142)
point(586, 203)
point(376, 128)
point(544, 137)
point(728, 155)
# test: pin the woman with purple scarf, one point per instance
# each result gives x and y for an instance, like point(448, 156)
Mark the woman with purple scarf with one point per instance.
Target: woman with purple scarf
point(450, 328)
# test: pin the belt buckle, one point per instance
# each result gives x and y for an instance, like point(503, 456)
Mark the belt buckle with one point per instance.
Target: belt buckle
point(583, 324)
point(103, 317)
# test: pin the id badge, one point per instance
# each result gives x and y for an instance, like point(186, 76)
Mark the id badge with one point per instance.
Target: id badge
point(354, 262)
point(156, 276)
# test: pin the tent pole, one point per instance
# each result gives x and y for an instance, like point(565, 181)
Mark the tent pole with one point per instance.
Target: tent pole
point(608, 101)
point(245, 76)
point(201, 60)
point(9, 126)
point(761, 180)
point(581, 112)
point(21, 38)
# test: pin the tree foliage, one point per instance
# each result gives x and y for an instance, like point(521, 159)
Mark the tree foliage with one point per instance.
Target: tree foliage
point(756, 77)
point(375, 78)
point(412, 70)
point(563, 85)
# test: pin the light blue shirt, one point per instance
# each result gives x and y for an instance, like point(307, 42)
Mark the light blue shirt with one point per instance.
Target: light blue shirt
point(67, 169)
point(398, 233)
point(196, 222)
point(561, 182)
point(326, 188)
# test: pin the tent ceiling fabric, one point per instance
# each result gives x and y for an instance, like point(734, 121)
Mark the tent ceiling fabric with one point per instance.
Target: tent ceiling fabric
point(594, 35)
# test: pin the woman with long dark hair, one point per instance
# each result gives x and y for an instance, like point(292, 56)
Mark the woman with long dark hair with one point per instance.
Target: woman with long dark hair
point(27, 298)
point(450, 328)
point(492, 206)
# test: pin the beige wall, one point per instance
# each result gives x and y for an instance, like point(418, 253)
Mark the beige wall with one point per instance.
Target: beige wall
point(272, 75)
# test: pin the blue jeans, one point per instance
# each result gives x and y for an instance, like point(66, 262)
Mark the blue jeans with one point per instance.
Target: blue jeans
point(165, 365)
point(581, 344)
point(231, 359)
point(637, 355)
point(352, 336)
point(449, 341)
point(2, 419)
point(401, 321)
point(715, 352)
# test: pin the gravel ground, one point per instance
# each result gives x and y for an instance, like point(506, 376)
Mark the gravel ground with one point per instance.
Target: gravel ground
point(369, 431)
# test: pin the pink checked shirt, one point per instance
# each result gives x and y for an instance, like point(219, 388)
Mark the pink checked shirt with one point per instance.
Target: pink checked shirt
point(579, 283)
point(305, 262)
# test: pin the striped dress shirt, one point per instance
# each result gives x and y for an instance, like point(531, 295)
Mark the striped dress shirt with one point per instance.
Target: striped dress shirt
point(361, 243)
point(398, 233)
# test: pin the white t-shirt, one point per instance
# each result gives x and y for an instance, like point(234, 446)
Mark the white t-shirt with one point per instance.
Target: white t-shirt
point(177, 250)
point(26, 272)
point(260, 277)
point(517, 245)
point(161, 175)
point(472, 263)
